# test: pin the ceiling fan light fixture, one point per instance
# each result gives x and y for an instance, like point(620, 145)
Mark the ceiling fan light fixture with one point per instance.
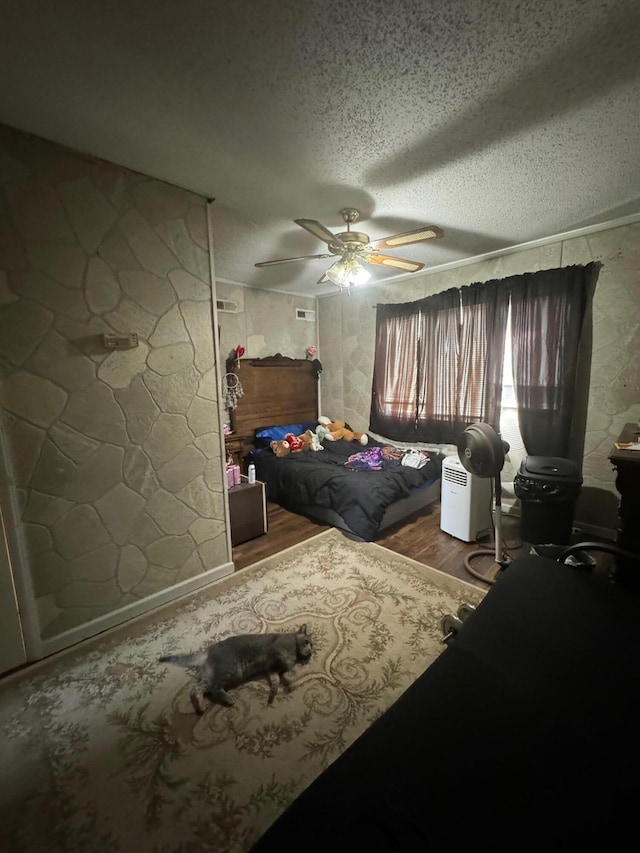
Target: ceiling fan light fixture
point(347, 273)
point(354, 246)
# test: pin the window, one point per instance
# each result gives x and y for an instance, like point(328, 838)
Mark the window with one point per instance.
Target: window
point(438, 364)
point(441, 363)
point(509, 426)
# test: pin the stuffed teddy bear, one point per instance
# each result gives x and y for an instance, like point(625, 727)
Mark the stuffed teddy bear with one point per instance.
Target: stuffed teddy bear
point(280, 448)
point(336, 430)
point(295, 443)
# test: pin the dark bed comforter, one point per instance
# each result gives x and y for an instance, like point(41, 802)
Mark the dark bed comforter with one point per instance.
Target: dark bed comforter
point(320, 479)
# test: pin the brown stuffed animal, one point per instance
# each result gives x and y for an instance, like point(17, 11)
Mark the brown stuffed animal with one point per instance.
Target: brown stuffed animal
point(280, 448)
point(294, 443)
point(337, 430)
point(306, 439)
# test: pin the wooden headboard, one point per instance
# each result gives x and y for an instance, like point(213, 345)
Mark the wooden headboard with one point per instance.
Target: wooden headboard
point(277, 390)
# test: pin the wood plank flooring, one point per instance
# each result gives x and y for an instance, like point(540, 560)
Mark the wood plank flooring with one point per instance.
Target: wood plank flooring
point(418, 537)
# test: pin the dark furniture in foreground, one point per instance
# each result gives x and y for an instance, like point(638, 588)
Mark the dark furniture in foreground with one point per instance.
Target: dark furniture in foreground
point(627, 467)
point(523, 735)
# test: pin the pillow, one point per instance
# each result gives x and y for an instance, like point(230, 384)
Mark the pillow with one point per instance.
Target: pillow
point(265, 435)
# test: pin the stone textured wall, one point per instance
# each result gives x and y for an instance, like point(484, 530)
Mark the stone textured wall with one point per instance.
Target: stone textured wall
point(115, 456)
point(347, 339)
point(266, 322)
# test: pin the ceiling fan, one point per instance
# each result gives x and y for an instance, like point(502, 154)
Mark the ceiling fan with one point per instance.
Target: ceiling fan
point(354, 247)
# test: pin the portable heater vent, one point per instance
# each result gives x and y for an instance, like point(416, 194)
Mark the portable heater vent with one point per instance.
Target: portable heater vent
point(465, 502)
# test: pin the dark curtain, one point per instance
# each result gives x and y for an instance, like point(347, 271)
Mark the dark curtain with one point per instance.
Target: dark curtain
point(438, 361)
point(394, 400)
point(547, 312)
point(485, 310)
point(438, 364)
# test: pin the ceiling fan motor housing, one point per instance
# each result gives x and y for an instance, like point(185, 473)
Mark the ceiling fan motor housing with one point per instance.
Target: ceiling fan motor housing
point(353, 241)
point(354, 247)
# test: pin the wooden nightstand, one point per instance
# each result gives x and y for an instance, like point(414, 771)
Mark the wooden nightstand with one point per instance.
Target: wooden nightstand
point(234, 447)
point(247, 511)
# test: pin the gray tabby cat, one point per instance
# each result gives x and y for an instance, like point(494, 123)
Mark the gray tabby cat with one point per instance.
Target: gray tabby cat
point(236, 660)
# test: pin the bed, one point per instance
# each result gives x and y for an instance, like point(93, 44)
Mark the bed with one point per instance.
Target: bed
point(283, 392)
point(360, 502)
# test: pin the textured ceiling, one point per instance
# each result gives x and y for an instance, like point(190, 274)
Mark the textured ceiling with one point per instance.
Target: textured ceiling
point(500, 121)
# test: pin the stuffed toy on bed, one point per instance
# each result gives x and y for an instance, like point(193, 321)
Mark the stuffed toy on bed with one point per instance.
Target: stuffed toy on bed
point(281, 447)
point(335, 430)
point(295, 443)
point(314, 441)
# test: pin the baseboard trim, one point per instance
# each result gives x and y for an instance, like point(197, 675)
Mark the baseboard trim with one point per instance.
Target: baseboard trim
point(595, 530)
point(134, 611)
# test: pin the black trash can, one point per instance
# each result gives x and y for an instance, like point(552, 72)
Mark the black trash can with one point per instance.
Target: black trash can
point(548, 488)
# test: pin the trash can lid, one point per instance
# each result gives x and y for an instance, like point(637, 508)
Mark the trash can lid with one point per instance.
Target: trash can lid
point(553, 467)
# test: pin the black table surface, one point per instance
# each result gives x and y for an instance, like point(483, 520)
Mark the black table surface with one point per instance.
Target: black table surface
point(523, 734)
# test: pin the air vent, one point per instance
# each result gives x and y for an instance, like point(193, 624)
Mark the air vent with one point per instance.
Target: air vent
point(451, 475)
point(305, 314)
point(227, 306)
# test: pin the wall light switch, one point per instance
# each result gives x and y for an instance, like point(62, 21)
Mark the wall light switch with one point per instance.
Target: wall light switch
point(128, 341)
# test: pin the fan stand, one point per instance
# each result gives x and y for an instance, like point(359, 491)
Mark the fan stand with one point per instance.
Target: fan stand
point(481, 451)
point(500, 558)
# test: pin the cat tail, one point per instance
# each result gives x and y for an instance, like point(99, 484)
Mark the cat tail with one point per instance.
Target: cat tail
point(196, 659)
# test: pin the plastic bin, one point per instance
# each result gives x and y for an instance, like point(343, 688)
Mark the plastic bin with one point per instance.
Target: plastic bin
point(548, 488)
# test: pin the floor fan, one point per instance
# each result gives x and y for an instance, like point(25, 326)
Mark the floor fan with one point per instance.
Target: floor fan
point(482, 452)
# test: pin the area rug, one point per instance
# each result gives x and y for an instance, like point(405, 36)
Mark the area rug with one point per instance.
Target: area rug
point(102, 750)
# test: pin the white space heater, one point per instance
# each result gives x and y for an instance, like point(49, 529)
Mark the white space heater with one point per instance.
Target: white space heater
point(465, 501)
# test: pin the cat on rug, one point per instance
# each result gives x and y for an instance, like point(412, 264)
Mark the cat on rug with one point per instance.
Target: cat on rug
point(237, 660)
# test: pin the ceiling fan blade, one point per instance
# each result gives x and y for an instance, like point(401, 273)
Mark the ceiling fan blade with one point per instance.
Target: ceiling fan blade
point(288, 260)
point(324, 277)
point(319, 231)
point(396, 263)
point(427, 232)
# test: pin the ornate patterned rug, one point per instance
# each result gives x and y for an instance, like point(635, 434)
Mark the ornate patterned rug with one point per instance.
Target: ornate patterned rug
point(102, 750)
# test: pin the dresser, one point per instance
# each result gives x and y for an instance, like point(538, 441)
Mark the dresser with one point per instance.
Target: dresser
point(627, 467)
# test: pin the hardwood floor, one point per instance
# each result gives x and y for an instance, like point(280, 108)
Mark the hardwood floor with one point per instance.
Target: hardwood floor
point(418, 537)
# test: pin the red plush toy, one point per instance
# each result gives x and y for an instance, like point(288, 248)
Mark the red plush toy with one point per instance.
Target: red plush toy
point(295, 442)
